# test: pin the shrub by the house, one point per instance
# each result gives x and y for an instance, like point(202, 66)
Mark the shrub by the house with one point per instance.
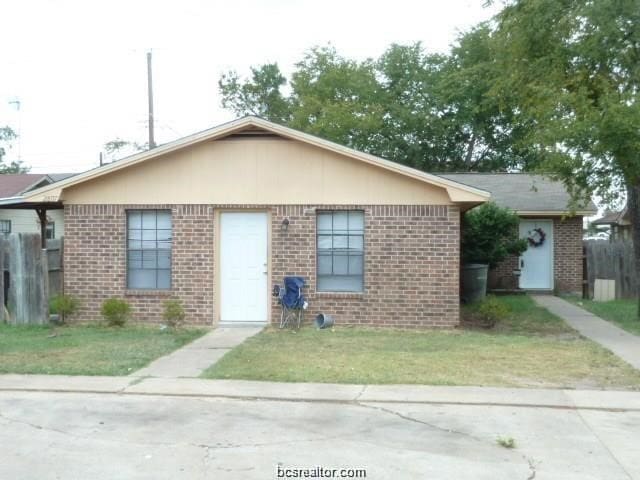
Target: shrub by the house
point(116, 312)
point(490, 235)
point(491, 311)
point(64, 305)
point(173, 313)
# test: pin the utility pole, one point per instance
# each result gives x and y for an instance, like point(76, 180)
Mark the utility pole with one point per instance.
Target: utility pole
point(152, 142)
point(18, 104)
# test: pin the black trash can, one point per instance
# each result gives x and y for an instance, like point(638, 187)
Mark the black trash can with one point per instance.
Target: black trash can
point(474, 282)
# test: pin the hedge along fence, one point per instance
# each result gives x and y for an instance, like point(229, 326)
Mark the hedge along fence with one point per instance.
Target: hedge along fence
point(611, 261)
point(31, 275)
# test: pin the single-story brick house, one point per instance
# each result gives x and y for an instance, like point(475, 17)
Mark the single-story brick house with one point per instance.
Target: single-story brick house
point(218, 218)
point(541, 203)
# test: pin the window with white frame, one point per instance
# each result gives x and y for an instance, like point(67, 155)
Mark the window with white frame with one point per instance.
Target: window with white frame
point(340, 251)
point(5, 227)
point(149, 239)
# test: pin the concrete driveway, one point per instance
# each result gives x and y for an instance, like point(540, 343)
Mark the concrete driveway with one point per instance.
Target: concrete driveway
point(47, 435)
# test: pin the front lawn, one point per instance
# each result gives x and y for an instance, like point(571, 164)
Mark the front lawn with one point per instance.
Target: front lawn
point(623, 313)
point(532, 348)
point(86, 350)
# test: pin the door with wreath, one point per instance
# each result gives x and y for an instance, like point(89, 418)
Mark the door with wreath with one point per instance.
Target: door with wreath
point(536, 263)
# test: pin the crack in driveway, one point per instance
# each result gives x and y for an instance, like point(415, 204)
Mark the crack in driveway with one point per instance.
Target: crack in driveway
point(529, 461)
point(415, 420)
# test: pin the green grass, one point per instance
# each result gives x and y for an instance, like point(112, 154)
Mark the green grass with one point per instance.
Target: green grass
point(84, 349)
point(530, 348)
point(624, 313)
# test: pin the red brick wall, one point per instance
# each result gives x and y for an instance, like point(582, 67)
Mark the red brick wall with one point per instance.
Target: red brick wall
point(567, 248)
point(411, 263)
point(95, 261)
point(567, 268)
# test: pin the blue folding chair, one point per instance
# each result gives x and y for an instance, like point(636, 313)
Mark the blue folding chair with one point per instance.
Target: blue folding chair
point(292, 301)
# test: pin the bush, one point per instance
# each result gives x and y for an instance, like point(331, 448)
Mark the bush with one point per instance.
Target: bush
point(116, 312)
point(173, 312)
point(492, 310)
point(490, 234)
point(63, 305)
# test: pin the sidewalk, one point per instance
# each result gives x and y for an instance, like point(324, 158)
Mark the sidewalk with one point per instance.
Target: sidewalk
point(624, 344)
point(324, 392)
point(195, 357)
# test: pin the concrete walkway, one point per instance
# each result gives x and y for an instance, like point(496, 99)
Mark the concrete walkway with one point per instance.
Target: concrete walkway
point(325, 392)
point(192, 359)
point(622, 343)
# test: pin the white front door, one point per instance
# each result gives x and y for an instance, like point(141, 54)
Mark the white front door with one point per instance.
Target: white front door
point(536, 263)
point(243, 267)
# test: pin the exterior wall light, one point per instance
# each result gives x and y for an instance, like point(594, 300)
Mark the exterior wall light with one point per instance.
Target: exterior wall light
point(285, 225)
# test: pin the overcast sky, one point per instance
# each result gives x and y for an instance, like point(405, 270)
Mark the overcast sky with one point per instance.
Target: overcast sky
point(78, 68)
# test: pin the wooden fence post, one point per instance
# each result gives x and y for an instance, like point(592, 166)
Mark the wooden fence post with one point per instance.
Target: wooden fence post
point(612, 261)
point(4, 249)
point(28, 301)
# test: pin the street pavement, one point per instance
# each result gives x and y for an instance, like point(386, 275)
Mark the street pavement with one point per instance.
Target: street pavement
point(71, 435)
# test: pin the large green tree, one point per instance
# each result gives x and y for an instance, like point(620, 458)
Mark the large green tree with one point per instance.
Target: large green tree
point(7, 135)
point(428, 111)
point(573, 68)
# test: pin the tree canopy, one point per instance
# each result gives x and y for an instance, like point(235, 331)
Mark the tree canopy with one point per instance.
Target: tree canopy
point(7, 135)
point(428, 111)
point(573, 68)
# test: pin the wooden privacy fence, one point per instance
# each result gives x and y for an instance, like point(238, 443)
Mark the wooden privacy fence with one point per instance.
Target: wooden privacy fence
point(611, 261)
point(30, 276)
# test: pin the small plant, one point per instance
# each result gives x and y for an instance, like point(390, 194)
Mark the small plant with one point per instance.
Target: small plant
point(116, 311)
point(63, 305)
point(173, 313)
point(506, 442)
point(492, 310)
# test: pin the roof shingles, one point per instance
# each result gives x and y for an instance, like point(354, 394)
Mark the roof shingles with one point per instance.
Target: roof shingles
point(522, 192)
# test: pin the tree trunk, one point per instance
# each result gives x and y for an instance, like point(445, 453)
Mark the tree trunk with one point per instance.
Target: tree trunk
point(633, 207)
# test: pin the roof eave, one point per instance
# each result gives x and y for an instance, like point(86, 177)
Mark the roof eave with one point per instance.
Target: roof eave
point(556, 213)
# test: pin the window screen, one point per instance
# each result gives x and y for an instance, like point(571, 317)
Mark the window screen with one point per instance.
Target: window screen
point(5, 227)
point(149, 249)
point(50, 232)
point(340, 247)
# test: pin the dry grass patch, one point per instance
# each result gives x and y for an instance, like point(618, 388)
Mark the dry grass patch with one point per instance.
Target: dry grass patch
point(531, 347)
point(86, 350)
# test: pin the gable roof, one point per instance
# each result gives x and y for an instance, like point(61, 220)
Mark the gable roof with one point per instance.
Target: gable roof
point(523, 192)
point(457, 192)
point(56, 177)
point(13, 184)
point(614, 218)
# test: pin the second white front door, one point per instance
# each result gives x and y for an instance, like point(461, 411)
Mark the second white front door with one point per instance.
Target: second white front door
point(243, 267)
point(536, 263)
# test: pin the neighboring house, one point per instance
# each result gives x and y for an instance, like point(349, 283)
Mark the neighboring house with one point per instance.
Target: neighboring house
point(26, 221)
point(618, 222)
point(218, 218)
point(554, 264)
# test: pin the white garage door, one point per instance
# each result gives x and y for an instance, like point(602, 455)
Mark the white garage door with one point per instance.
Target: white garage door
point(243, 267)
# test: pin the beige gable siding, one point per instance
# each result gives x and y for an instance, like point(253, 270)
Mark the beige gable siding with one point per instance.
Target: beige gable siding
point(260, 171)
